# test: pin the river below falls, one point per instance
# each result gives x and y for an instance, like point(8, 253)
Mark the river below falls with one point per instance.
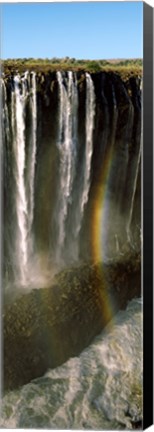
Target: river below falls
point(100, 389)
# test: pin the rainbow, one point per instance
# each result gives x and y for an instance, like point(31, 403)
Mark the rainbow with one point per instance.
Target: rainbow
point(100, 214)
point(100, 210)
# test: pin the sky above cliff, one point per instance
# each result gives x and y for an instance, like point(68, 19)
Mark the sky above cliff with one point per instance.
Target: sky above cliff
point(82, 30)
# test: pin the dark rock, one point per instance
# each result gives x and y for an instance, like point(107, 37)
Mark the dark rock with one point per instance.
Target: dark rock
point(45, 327)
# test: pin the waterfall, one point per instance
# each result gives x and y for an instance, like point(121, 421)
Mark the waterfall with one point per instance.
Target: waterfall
point(68, 146)
point(5, 114)
point(53, 168)
point(83, 194)
point(18, 129)
point(31, 171)
point(90, 115)
point(24, 197)
point(68, 103)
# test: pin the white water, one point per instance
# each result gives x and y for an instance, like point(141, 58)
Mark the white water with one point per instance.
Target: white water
point(89, 126)
point(33, 150)
point(100, 389)
point(24, 95)
point(68, 103)
point(21, 204)
point(72, 174)
point(24, 197)
point(68, 149)
point(90, 113)
point(5, 115)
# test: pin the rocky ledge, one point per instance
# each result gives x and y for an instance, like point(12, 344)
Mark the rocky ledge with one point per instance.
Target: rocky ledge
point(45, 327)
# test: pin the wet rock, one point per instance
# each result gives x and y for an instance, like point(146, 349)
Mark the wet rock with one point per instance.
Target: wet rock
point(45, 327)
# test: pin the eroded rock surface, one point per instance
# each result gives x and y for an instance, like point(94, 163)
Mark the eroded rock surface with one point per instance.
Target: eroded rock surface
point(45, 327)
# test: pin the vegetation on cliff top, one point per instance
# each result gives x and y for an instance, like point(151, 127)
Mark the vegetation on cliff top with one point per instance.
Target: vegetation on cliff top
point(125, 68)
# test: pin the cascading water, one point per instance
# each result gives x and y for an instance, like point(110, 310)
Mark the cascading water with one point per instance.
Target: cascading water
point(80, 192)
point(90, 106)
point(21, 205)
point(32, 158)
point(23, 183)
point(82, 124)
point(90, 113)
point(5, 114)
point(67, 151)
point(68, 145)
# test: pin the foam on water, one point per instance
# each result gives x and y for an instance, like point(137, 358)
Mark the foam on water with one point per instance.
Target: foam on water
point(100, 389)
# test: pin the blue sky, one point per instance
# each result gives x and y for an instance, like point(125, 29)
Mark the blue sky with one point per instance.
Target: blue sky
point(96, 30)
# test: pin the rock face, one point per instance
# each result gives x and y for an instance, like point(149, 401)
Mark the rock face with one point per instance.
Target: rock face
point(45, 327)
